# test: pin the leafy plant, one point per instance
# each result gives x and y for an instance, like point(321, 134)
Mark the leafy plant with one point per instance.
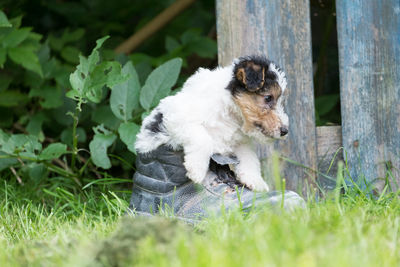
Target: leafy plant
point(65, 124)
point(129, 102)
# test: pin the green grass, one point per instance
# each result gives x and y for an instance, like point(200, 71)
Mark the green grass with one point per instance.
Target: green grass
point(89, 228)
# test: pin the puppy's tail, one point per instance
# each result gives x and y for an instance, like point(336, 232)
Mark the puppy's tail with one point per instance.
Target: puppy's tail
point(152, 133)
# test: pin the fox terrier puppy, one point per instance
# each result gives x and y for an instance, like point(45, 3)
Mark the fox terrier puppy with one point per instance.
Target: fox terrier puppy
point(221, 111)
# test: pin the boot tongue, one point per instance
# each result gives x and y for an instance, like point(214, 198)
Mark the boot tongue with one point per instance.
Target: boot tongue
point(219, 164)
point(225, 160)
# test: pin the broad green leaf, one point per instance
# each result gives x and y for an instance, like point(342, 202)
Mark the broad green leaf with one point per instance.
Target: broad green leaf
point(66, 135)
point(70, 54)
point(144, 115)
point(34, 126)
point(73, 36)
point(3, 137)
point(105, 116)
point(108, 74)
point(50, 96)
point(190, 35)
point(16, 22)
point(56, 43)
point(53, 151)
point(3, 54)
point(37, 171)
point(6, 163)
point(3, 20)
point(143, 65)
point(34, 36)
point(21, 144)
point(98, 149)
point(94, 57)
point(12, 98)
point(324, 104)
point(125, 96)
point(77, 81)
point(90, 77)
point(127, 132)
point(171, 44)
point(204, 47)
point(5, 80)
point(26, 57)
point(15, 37)
point(44, 53)
point(159, 83)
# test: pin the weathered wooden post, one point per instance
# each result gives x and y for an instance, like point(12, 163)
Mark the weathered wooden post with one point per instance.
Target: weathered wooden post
point(369, 59)
point(279, 29)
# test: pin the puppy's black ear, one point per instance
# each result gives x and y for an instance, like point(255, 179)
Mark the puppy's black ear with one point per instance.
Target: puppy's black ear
point(251, 76)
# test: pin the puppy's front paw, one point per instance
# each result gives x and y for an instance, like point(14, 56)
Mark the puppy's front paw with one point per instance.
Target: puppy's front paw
point(196, 170)
point(257, 184)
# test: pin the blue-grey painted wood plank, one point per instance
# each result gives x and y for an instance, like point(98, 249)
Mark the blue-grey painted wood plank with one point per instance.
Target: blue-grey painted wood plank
point(279, 29)
point(369, 60)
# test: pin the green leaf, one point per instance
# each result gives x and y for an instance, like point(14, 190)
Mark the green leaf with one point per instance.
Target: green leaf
point(50, 97)
point(3, 53)
point(3, 20)
point(159, 83)
point(55, 43)
point(105, 74)
point(90, 77)
point(5, 80)
point(3, 137)
point(204, 47)
point(127, 132)
point(53, 151)
point(26, 57)
point(34, 126)
point(324, 104)
point(21, 144)
point(8, 162)
point(79, 79)
point(105, 116)
point(144, 115)
point(72, 36)
point(125, 96)
point(12, 98)
point(15, 37)
point(16, 22)
point(66, 135)
point(37, 171)
point(190, 35)
point(98, 149)
point(171, 44)
point(70, 54)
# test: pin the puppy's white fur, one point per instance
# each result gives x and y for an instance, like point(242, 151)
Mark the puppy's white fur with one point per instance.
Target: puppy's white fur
point(203, 119)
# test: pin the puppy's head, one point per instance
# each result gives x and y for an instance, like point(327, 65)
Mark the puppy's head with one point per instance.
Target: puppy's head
point(257, 87)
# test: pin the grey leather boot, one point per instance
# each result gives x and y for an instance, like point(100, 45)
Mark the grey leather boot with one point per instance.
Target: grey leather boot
point(160, 185)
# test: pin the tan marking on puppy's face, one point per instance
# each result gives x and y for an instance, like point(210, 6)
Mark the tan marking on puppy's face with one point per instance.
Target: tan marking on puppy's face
point(258, 110)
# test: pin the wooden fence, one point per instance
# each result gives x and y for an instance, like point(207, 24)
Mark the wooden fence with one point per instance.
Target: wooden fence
point(369, 62)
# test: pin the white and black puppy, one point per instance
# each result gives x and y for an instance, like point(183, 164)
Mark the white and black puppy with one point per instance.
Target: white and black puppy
point(221, 111)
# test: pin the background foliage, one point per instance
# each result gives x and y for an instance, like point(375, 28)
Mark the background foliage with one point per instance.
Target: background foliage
point(61, 111)
point(69, 110)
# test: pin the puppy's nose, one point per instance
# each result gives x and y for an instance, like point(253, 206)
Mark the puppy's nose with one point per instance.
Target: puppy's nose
point(284, 131)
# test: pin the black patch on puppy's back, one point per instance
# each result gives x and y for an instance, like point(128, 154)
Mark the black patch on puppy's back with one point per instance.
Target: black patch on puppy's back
point(156, 125)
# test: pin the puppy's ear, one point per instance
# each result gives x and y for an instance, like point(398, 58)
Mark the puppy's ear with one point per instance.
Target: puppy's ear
point(251, 76)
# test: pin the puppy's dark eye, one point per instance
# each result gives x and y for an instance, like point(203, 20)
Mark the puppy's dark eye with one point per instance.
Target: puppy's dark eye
point(268, 98)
